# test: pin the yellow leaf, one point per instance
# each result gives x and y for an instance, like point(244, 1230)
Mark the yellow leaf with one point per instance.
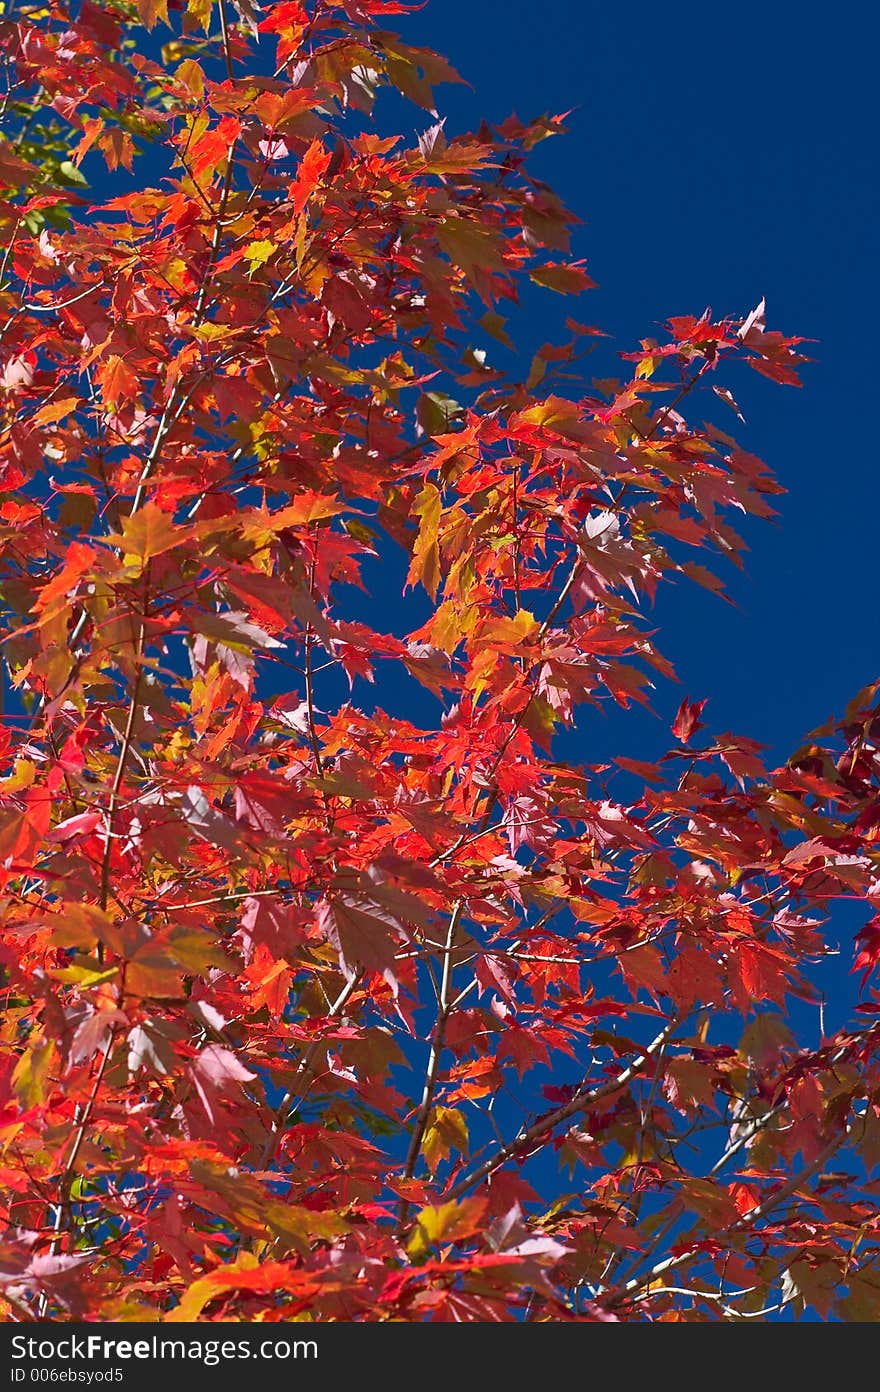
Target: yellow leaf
point(257, 253)
point(197, 950)
point(152, 974)
point(494, 325)
point(470, 246)
point(148, 533)
point(259, 525)
point(83, 976)
point(212, 333)
point(201, 12)
point(554, 414)
point(237, 1275)
point(445, 1223)
point(22, 776)
point(425, 564)
point(449, 624)
point(192, 77)
point(31, 1073)
point(509, 634)
point(299, 241)
point(55, 410)
point(446, 1131)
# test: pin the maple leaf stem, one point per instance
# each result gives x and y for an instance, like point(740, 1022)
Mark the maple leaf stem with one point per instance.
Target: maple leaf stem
point(694, 1293)
point(201, 302)
point(578, 566)
point(236, 455)
point(34, 307)
point(573, 575)
point(232, 895)
point(134, 703)
point(445, 1007)
point(645, 1110)
point(515, 726)
point(152, 459)
point(7, 253)
point(463, 994)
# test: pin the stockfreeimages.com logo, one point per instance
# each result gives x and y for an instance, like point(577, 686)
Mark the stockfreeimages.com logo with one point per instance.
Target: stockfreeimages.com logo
point(209, 1352)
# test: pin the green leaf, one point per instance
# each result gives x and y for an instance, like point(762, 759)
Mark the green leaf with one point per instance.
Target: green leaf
point(69, 171)
point(435, 412)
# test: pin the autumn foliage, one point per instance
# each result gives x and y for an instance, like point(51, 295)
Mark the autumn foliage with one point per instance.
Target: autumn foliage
point(314, 1009)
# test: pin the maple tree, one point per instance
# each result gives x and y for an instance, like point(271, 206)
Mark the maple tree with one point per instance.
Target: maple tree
point(312, 1011)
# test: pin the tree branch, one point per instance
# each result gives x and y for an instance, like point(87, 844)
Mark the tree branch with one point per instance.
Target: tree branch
point(583, 1099)
point(618, 1295)
point(444, 1010)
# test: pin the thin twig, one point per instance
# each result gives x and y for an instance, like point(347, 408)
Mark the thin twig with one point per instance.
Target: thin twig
point(583, 1099)
point(618, 1295)
point(287, 1107)
point(444, 1010)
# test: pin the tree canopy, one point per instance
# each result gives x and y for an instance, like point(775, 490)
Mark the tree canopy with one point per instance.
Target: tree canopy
point(314, 1009)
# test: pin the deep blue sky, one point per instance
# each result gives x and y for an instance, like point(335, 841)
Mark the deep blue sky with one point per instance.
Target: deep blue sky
point(718, 154)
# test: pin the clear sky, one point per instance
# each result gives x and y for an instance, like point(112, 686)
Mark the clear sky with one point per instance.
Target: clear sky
point(718, 153)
